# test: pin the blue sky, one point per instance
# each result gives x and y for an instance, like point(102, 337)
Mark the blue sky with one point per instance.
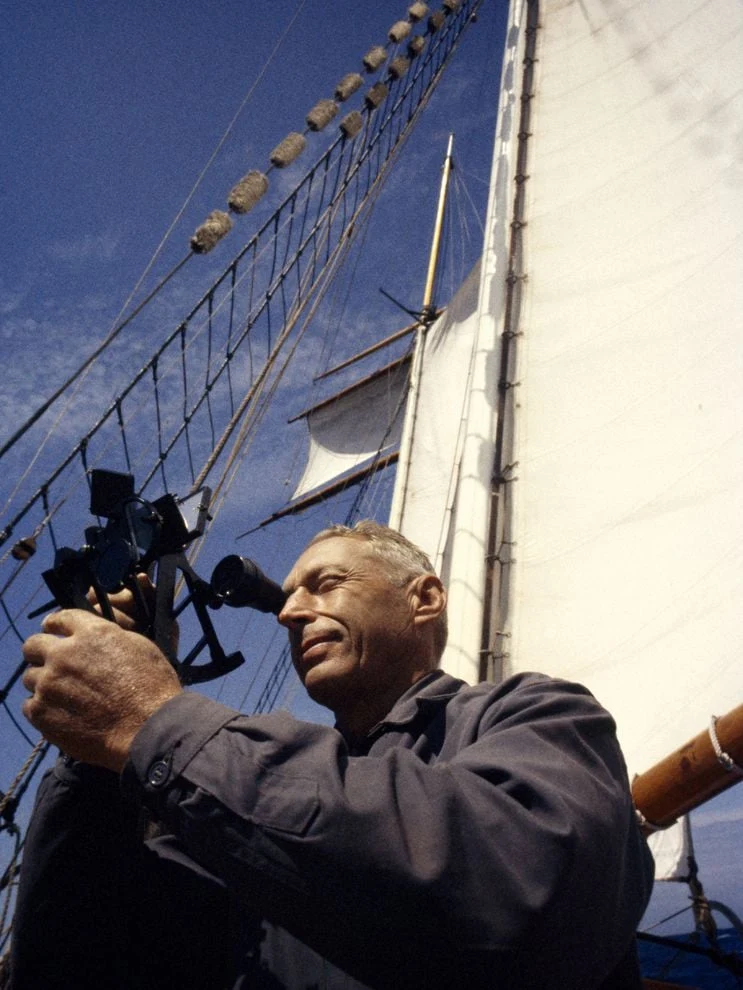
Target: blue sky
point(110, 112)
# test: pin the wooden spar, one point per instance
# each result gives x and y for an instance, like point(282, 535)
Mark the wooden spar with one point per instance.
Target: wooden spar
point(691, 775)
point(433, 260)
point(428, 310)
point(325, 493)
point(398, 335)
point(427, 316)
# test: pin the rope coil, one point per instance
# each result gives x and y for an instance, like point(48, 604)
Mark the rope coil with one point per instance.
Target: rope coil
point(321, 114)
point(374, 58)
point(399, 66)
point(351, 124)
point(247, 192)
point(211, 232)
point(287, 150)
point(399, 31)
point(416, 45)
point(348, 85)
point(376, 95)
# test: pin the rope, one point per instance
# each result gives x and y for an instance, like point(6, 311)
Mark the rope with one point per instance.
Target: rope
point(723, 758)
point(41, 747)
point(76, 374)
point(287, 264)
point(119, 326)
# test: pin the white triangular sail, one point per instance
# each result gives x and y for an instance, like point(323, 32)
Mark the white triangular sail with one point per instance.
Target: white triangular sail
point(426, 499)
point(673, 852)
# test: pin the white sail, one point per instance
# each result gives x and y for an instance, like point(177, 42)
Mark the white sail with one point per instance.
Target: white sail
point(673, 852)
point(449, 518)
point(627, 522)
point(349, 429)
point(622, 511)
point(437, 433)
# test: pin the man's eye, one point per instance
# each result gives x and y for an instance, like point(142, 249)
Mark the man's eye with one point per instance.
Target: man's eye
point(328, 582)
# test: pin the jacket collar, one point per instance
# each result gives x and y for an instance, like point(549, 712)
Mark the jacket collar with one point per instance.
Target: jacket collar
point(436, 688)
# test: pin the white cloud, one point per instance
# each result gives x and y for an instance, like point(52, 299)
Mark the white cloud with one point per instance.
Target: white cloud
point(86, 247)
point(722, 816)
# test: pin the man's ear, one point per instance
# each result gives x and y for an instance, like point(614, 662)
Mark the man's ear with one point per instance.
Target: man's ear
point(427, 597)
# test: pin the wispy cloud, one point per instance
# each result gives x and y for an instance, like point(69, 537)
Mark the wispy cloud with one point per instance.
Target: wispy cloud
point(721, 816)
point(87, 247)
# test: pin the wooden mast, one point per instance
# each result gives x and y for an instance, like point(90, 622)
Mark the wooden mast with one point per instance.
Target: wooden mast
point(427, 307)
point(705, 766)
point(427, 315)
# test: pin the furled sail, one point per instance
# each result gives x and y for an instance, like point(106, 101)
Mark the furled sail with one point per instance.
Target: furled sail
point(352, 428)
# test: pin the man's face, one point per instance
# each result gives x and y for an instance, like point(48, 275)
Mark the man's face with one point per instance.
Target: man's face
point(350, 627)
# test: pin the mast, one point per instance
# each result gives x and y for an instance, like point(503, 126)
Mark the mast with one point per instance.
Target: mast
point(433, 260)
point(427, 316)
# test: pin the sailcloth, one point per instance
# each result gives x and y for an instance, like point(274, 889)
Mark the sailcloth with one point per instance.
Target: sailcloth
point(627, 523)
point(426, 487)
point(350, 429)
point(624, 433)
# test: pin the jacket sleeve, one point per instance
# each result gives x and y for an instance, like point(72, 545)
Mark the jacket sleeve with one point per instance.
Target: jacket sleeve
point(397, 870)
point(98, 907)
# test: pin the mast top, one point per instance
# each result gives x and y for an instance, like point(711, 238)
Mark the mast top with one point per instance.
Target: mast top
point(427, 308)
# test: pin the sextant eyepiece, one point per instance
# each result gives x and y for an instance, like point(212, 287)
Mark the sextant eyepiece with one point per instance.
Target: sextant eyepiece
point(238, 582)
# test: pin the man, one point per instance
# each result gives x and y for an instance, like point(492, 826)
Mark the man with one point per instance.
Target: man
point(440, 836)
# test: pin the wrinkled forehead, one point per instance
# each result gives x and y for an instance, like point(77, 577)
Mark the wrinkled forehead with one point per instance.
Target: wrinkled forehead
point(343, 552)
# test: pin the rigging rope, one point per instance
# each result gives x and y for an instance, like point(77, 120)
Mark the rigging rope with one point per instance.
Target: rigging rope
point(120, 323)
point(228, 346)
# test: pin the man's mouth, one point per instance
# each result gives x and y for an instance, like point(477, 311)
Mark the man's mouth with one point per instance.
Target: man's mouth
point(314, 646)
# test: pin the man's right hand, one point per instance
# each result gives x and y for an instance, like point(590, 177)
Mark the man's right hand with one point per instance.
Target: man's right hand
point(93, 685)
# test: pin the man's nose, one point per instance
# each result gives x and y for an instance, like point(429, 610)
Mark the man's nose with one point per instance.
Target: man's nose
point(297, 609)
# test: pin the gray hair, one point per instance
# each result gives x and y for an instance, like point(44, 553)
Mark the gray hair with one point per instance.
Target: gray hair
point(404, 559)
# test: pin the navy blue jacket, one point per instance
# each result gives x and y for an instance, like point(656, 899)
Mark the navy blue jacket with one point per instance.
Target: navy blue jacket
point(482, 837)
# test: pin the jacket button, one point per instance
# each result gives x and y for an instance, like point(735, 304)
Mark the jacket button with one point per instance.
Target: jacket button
point(158, 773)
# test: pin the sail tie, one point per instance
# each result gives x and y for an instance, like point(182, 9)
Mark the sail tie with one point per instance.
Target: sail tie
point(649, 827)
point(723, 758)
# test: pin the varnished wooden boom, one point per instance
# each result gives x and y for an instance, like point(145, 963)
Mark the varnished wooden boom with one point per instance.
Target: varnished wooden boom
point(691, 775)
